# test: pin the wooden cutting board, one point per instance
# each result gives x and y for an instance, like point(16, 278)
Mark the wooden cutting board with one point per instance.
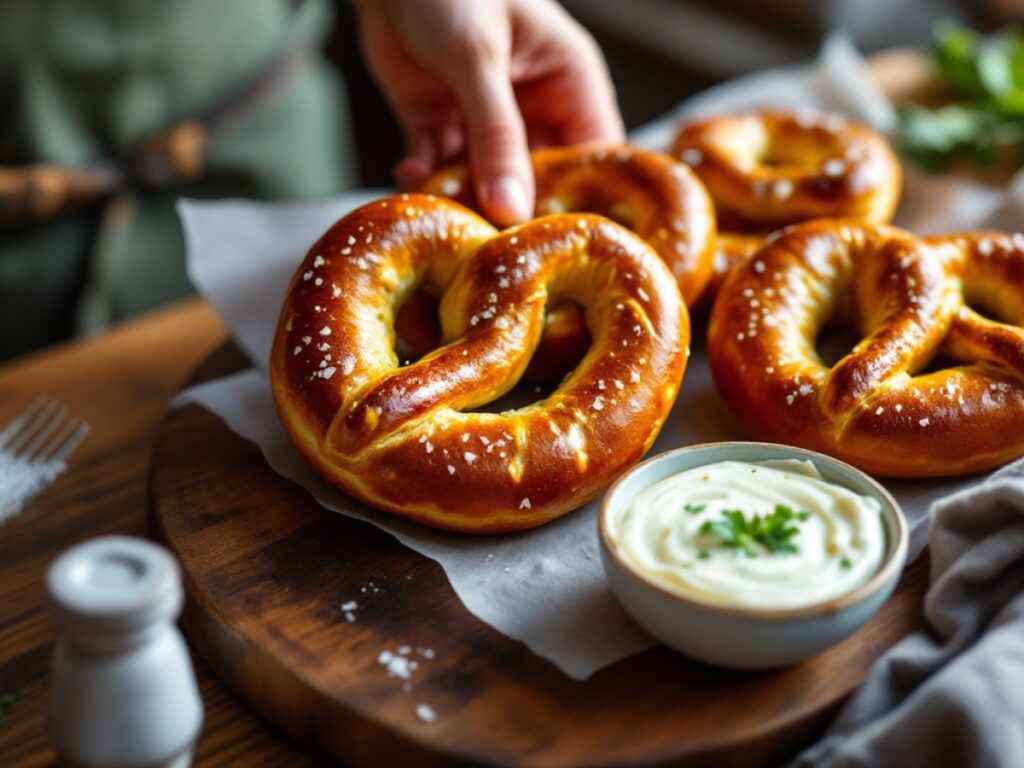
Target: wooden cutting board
point(267, 571)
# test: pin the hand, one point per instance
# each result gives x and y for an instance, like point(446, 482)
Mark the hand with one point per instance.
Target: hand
point(492, 78)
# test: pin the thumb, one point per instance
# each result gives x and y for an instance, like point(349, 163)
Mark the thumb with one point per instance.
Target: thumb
point(499, 158)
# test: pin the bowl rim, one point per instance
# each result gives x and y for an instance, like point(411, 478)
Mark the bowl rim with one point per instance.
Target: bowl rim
point(891, 567)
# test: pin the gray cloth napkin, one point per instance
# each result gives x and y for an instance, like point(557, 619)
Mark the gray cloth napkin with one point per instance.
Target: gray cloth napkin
point(953, 696)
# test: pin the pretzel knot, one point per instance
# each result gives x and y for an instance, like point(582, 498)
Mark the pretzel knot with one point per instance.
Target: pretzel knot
point(880, 407)
point(403, 439)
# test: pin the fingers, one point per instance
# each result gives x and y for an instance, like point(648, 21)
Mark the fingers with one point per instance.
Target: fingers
point(575, 99)
point(496, 139)
point(593, 108)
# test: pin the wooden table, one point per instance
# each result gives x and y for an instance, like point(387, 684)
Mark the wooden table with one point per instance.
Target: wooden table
point(120, 383)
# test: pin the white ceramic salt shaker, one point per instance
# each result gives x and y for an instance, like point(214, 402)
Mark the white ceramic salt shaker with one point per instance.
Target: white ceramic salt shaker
point(122, 689)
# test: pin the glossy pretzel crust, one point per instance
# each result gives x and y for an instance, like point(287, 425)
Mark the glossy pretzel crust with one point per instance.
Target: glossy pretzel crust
point(878, 407)
point(767, 169)
point(402, 439)
point(647, 192)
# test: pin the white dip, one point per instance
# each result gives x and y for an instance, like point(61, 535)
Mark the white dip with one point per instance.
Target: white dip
point(839, 537)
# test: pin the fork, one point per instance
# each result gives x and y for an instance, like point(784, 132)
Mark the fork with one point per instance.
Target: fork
point(34, 447)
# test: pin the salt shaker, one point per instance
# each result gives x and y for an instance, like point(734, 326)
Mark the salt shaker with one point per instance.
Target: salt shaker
point(122, 688)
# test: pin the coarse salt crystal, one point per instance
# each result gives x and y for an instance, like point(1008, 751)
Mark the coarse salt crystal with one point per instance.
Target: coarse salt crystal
point(834, 168)
point(782, 189)
point(692, 156)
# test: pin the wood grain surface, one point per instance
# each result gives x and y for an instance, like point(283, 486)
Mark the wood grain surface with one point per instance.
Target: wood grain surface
point(120, 383)
point(268, 570)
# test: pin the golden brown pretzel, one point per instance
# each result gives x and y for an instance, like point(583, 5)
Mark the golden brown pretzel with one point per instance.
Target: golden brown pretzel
point(400, 438)
point(878, 407)
point(771, 168)
point(648, 192)
point(774, 168)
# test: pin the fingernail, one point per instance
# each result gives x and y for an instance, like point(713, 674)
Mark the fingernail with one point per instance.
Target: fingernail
point(508, 199)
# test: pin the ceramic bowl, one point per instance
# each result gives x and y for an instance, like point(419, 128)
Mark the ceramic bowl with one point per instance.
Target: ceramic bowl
point(747, 638)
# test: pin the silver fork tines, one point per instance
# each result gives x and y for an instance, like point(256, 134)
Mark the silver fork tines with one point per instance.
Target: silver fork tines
point(33, 449)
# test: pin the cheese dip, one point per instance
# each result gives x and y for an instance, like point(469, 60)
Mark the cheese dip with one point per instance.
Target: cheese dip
point(770, 534)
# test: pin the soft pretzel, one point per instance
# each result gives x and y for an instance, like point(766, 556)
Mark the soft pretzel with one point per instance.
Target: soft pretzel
point(402, 438)
point(647, 192)
point(878, 407)
point(771, 168)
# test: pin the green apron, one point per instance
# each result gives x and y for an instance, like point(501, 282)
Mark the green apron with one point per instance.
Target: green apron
point(83, 81)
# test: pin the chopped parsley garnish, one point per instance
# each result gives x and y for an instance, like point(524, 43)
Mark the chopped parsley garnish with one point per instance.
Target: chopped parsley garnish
point(694, 509)
point(846, 564)
point(772, 532)
point(703, 555)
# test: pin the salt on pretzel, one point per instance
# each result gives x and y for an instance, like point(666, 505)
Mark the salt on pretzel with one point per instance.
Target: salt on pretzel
point(771, 168)
point(878, 407)
point(648, 192)
point(402, 439)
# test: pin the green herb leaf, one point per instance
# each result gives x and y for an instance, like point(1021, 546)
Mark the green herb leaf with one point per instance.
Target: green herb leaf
point(773, 532)
point(846, 564)
point(984, 75)
point(694, 509)
point(703, 555)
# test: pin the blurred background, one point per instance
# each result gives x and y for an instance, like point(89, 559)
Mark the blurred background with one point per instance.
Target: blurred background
point(115, 108)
